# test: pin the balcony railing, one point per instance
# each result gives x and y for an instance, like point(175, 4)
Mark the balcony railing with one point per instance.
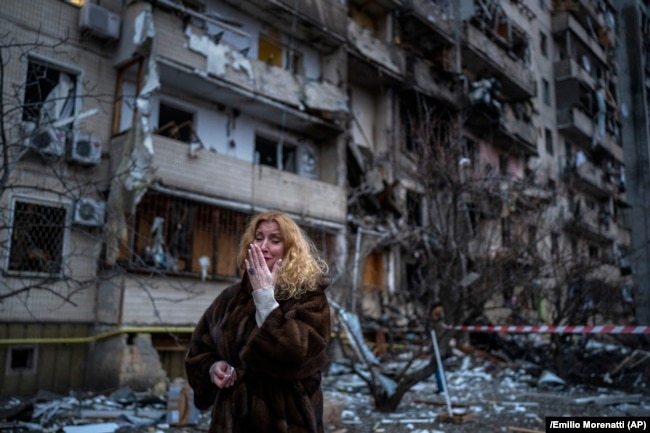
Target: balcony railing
point(592, 224)
point(581, 128)
point(565, 21)
point(589, 178)
point(570, 69)
point(235, 180)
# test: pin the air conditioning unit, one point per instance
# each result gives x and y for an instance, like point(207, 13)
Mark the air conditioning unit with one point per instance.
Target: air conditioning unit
point(85, 149)
point(50, 141)
point(89, 212)
point(99, 21)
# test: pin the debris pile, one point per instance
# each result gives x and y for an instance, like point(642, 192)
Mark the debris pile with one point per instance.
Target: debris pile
point(121, 411)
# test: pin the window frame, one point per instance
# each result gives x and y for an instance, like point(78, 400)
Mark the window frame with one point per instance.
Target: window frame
point(31, 370)
point(61, 67)
point(41, 201)
point(294, 146)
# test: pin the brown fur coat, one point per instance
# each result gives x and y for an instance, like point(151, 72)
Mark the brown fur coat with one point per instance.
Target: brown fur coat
point(278, 364)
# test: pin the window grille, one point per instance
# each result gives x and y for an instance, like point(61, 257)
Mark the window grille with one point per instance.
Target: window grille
point(187, 230)
point(37, 238)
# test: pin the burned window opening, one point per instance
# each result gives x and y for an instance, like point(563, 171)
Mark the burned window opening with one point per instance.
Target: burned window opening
point(49, 95)
point(175, 123)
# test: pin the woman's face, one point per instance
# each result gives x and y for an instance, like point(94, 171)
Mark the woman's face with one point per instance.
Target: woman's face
point(269, 239)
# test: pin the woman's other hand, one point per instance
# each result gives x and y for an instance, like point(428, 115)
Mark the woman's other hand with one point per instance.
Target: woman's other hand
point(223, 374)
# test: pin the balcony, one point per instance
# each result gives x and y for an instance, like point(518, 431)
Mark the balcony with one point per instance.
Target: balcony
point(566, 22)
point(422, 77)
point(514, 133)
point(580, 128)
point(426, 23)
point(319, 23)
point(569, 69)
point(482, 54)
point(591, 224)
point(373, 62)
point(588, 178)
point(230, 179)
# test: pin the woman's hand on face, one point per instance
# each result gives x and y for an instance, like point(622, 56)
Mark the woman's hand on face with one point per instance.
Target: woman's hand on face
point(258, 272)
point(223, 374)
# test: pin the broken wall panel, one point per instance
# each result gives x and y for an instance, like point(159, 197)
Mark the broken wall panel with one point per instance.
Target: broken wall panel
point(372, 49)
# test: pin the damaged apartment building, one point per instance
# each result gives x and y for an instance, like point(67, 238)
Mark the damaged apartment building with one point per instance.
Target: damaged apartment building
point(143, 134)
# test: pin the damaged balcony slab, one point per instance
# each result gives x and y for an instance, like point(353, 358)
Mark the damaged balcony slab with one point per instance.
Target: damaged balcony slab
point(373, 61)
point(321, 23)
point(425, 19)
point(424, 81)
point(283, 105)
point(575, 124)
point(517, 78)
point(566, 22)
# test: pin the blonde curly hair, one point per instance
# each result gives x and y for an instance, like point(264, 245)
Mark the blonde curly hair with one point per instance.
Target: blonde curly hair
point(302, 266)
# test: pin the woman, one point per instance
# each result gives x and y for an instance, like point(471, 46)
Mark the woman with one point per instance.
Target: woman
point(256, 353)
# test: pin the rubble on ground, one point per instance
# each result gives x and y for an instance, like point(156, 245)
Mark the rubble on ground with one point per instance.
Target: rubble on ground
point(508, 382)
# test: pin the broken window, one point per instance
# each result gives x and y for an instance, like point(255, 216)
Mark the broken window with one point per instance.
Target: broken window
point(176, 123)
point(272, 51)
point(38, 236)
point(50, 95)
point(299, 159)
point(543, 44)
point(21, 360)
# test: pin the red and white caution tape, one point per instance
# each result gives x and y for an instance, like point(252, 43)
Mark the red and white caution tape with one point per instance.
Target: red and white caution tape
point(544, 329)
